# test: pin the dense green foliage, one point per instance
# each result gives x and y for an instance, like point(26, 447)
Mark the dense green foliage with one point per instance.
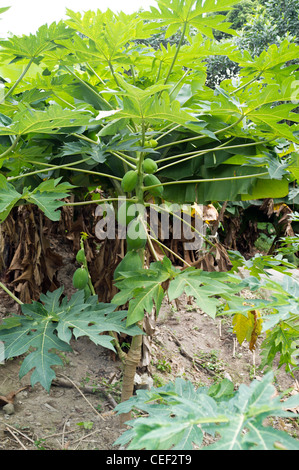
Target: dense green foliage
point(179, 415)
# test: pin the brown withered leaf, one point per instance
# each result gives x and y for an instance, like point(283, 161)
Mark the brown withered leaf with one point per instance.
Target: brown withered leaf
point(267, 207)
point(33, 265)
point(9, 398)
point(257, 329)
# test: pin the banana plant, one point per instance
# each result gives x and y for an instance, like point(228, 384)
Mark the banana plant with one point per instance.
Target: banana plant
point(100, 108)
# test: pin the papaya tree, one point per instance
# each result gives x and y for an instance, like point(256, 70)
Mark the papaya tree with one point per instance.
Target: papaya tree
point(92, 106)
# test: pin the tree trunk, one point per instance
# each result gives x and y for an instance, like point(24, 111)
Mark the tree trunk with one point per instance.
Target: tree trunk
point(132, 361)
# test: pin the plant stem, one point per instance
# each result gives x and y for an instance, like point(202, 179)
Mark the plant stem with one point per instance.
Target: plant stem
point(113, 73)
point(84, 137)
point(170, 251)
point(133, 74)
point(11, 294)
point(168, 132)
point(63, 100)
point(93, 71)
point(11, 148)
point(87, 86)
point(206, 180)
point(179, 82)
point(176, 53)
point(67, 165)
point(182, 220)
point(124, 160)
point(128, 157)
point(134, 355)
point(198, 137)
point(132, 360)
point(18, 80)
point(195, 153)
point(159, 71)
point(248, 83)
point(121, 354)
point(96, 201)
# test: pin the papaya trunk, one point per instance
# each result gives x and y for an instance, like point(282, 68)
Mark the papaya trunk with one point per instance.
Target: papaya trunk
point(132, 361)
point(135, 353)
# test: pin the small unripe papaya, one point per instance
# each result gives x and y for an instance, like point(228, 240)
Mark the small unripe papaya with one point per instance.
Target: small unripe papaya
point(80, 257)
point(93, 136)
point(152, 143)
point(149, 166)
point(136, 235)
point(151, 180)
point(80, 278)
point(123, 217)
point(129, 181)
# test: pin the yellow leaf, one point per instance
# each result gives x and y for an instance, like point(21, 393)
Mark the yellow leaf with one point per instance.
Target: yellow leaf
point(247, 327)
point(242, 324)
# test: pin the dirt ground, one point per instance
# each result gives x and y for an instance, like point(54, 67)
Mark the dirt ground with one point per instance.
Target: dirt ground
point(77, 414)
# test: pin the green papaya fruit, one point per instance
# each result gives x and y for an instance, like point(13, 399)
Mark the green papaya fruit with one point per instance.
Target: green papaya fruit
point(150, 180)
point(149, 166)
point(80, 257)
point(122, 214)
point(152, 143)
point(80, 278)
point(136, 235)
point(93, 136)
point(129, 181)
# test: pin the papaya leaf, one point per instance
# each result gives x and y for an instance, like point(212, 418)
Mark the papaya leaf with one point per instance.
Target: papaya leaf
point(47, 196)
point(179, 415)
point(281, 341)
point(42, 359)
point(241, 325)
point(50, 324)
point(38, 332)
point(147, 105)
point(8, 198)
point(108, 31)
point(202, 286)
point(142, 289)
point(33, 45)
point(270, 58)
point(144, 301)
point(176, 13)
point(130, 263)
point(3, 9)
point(271, 116)
point(53, 120)
point(96, 320)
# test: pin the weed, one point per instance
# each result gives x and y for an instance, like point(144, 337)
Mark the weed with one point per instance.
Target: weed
point(163, 366)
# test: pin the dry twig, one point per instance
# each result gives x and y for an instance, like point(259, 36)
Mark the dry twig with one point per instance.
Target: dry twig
point(196, 364)
point(87, 389)
point(16, 438)
point(81, 393)
point(18, 431)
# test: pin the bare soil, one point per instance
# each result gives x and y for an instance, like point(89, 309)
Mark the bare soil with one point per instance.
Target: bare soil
point(78, 414)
